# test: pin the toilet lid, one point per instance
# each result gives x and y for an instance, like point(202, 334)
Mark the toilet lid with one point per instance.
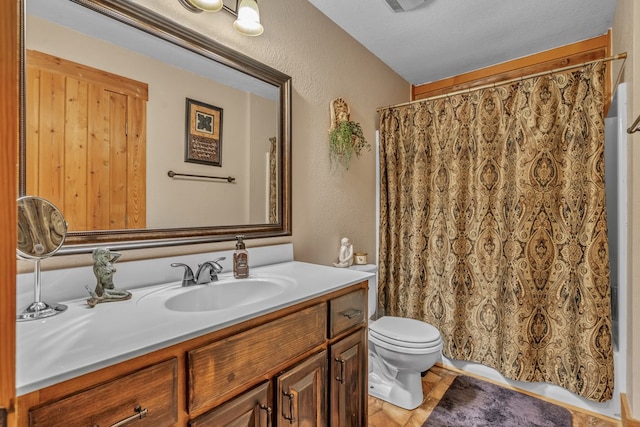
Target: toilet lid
point(405, 347)
point(405, 332)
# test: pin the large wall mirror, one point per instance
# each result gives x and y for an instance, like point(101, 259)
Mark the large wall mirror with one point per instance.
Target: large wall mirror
point(145, 133)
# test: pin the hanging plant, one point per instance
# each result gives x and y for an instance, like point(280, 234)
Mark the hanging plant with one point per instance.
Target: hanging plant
point(345, 140)
point(345, 136)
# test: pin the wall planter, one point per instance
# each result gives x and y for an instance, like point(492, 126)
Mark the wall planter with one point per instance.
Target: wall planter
point(345, 136)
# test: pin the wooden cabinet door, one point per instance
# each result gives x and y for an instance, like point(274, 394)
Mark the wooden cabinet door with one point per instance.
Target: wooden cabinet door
point(86, 143)
point(250, 409)
point(348, 366)
point(302, 394)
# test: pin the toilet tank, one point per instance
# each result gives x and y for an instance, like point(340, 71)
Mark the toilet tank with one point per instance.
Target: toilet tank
point(373, 287)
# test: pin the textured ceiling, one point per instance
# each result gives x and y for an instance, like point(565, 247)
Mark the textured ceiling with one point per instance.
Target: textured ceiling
point(444, 38)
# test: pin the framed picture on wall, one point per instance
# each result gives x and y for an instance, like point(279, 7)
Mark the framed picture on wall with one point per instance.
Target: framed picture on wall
point(203, 134)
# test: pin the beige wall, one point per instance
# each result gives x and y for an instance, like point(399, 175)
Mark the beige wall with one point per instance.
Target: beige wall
point(626, 38)
point(324, 63)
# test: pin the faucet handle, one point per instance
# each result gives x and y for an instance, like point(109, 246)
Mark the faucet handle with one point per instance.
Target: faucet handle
point(213, 267)
point(188, 278)
point(216, 263)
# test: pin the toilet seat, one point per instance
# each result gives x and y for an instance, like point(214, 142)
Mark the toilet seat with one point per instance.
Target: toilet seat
point(408, 335)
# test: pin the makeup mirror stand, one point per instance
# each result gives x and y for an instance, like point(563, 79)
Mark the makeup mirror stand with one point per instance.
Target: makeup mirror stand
point(41, 232)
point(39, 309)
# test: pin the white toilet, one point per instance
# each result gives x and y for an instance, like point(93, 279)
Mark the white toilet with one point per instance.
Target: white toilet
point(400, 349)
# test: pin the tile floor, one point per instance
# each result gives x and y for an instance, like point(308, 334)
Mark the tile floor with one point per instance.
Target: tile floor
point(434, 385)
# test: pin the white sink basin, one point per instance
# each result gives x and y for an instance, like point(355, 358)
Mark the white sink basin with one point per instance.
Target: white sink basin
point(227, 293)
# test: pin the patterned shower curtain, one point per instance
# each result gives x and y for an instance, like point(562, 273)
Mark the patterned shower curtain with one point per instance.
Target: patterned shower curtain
point(493, 227)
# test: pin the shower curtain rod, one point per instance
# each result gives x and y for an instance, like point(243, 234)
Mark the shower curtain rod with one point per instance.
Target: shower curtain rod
point(506, 82)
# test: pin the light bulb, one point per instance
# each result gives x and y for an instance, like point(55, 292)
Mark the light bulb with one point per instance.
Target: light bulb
point(248, 22)
point(206, 5)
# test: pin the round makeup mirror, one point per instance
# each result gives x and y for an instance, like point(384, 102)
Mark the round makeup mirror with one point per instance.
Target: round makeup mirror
point(41, 232)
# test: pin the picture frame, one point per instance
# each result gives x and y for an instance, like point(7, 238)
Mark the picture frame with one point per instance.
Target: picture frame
point(203, 139)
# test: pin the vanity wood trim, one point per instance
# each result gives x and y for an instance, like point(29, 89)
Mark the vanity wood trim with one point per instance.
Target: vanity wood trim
point(179, 351)
point(575, 53)
point(9, 135)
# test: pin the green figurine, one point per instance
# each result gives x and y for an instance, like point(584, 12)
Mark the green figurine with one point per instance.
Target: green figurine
point(103, 269)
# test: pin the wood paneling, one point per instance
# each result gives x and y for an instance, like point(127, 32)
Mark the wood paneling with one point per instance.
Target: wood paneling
point(137, 163)
point(9, 136)
point(86, 143)
point(576, 53)
point(109, 81)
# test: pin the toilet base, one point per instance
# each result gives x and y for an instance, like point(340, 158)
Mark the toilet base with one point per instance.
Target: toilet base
point(405, 391)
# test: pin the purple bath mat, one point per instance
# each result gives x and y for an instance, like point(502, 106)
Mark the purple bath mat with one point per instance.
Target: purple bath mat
point(477, 403)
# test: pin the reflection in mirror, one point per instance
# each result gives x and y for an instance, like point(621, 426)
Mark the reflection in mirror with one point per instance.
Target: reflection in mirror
point(41, 232)
point(105, 121)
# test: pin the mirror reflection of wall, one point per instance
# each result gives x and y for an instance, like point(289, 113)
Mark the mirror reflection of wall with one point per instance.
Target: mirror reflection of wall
point(41, 228)
point(250, 120)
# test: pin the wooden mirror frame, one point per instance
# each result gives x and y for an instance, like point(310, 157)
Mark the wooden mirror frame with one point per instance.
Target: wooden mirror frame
point(165, 29)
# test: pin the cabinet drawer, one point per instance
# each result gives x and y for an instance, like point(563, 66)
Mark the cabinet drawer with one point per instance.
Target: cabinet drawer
point(347, 311)
point(152, 389)
point(218, 369)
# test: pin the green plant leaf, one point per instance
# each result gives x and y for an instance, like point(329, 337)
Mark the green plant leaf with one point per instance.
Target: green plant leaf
point(345, 140)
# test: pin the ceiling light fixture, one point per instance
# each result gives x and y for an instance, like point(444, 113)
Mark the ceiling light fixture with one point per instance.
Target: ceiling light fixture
point(203, 5)
point(248, 22)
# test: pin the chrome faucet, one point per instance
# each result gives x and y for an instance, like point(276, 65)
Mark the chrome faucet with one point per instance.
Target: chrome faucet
point(189, 279)
point(213, 267)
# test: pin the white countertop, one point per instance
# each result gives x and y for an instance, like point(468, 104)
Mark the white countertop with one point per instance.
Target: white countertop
point(83, 339)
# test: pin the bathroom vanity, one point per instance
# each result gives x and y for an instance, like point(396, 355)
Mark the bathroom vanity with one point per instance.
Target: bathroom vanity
point(295, 358)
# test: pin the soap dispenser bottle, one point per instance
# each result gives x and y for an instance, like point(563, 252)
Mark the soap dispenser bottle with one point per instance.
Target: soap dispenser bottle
point(240, 260)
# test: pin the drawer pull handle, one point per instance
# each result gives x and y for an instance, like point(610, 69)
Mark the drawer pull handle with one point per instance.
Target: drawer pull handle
point(351, 313)
point(292, 406)
point(340, 377)
point(267, 409)
point(139, 414)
